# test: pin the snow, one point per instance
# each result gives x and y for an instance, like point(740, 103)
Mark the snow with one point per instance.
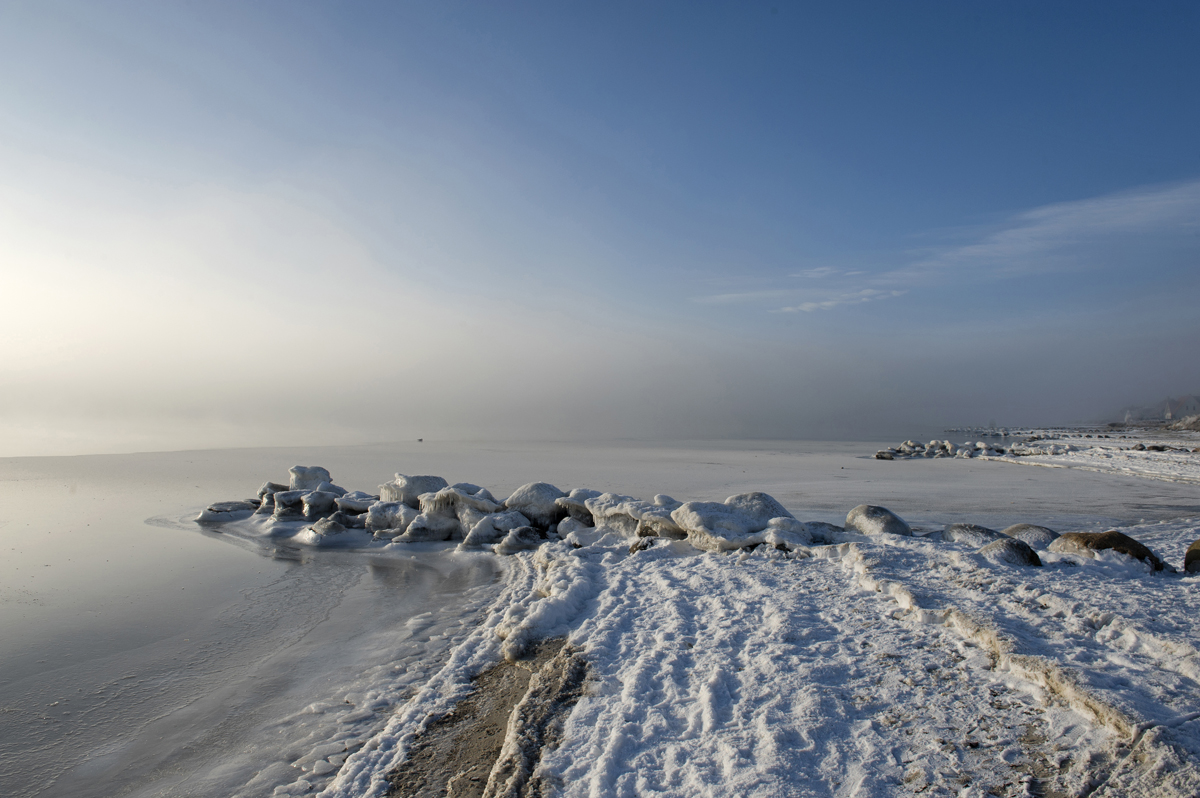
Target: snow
point(737, 649)
point(1164, 454)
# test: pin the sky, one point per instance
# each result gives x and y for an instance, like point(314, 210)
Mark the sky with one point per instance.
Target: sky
point(302, 223)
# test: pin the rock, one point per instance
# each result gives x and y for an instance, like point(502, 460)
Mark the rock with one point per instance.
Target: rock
point(885, 455)
point(356, 502)
point(329, 487)
point(307, 477)
point(1010, 551)
point(318, 504)
point(425, 528)
point(349, 520)
point(574, 503)
point(476, 491)
point(388, 519)
point(641, 544)
point(408, 490)
point(759, 506)
point(635, 517)
point(971, 535)
point(271, 487)
point(1036, 537)
point(493, 527)
point(536, 501)
point(266, 495)
point(289, 505)
point(328, 526)
point(871, 519)
point(736, 523)
point(1191, 560)
point(1087, 543)
point(520, 539)
point(220, 512)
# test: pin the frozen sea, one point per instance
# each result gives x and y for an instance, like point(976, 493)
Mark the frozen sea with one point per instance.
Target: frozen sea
point(144, 655)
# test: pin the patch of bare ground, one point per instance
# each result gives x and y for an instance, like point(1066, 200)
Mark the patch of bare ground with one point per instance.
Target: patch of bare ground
point(489, 745)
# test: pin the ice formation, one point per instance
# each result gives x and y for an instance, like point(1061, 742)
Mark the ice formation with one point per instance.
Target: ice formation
point(729, 631)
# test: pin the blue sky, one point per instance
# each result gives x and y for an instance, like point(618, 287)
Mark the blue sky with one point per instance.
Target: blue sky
point(760, 219)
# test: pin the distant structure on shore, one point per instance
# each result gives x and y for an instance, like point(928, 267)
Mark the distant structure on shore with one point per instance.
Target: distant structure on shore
point(1166, 410)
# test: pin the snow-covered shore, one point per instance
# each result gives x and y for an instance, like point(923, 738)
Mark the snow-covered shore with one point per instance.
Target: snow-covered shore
point(1151, 453)
point(827, 661)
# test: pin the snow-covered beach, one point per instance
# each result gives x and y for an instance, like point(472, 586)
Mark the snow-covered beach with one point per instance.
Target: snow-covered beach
point(866, 664)
point(734, 653)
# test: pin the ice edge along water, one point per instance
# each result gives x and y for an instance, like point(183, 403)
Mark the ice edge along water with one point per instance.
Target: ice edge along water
point(560, 587)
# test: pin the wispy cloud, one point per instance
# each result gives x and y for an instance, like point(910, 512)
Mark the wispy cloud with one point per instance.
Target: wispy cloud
point(853, 298)
point(1064, 235)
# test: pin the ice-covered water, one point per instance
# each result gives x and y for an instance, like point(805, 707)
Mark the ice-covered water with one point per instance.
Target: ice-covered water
point(157, 658)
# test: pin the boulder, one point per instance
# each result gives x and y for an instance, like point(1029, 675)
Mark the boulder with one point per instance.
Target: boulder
point(328, 526)
point(221, 512)
point(971, 535)
point(318, 504)
point(356, 502)
point(493, 527)
point(1010, 551)
point(408, 490)
point(307, 477)
point(1087, 543)
point(266, 495)
point(1036, 537)
point(736, 523)
point(388, 519)
point(426, 528)
point(271, 487)
point(349, 520)
point(1191, 560)
point(574, 503)
point(536, 501)
point(289, 505)
point(520, 539)
point(871, 519)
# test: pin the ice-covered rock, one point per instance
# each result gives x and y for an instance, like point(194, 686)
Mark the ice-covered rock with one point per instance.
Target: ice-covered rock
point(388, 519)
point(522, 538)
point(733, 524)
point(271, 487)
point(871, 519)
point(1191, 558)
point(575, 505)
point(308, 477)
point(430, 528)
point(476, 491)
point(356, 502)
point(1010, 551)
point(971, 535)
point(493, 527)
point(266, 497)
point(349, 520)
point(329, 487)
point(318, 504)
point(289, 505)
point(536, 501)
point(408, 489)
point(1088, 543)
point(450, 501)
point(1036, 537)
point(220, 512)
point(629, 516)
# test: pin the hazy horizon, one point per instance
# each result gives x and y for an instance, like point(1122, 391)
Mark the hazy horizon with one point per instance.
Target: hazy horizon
point(307, 224)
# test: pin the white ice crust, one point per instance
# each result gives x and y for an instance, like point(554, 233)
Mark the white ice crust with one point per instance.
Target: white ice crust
point(739, 650)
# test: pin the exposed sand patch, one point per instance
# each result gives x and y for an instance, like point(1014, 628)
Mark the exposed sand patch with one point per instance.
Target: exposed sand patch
point(491, 742)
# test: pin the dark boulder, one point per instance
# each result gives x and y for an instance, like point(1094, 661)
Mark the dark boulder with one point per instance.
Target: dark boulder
point(1011, 551)
point(1087, 543)
point(1191, 560)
